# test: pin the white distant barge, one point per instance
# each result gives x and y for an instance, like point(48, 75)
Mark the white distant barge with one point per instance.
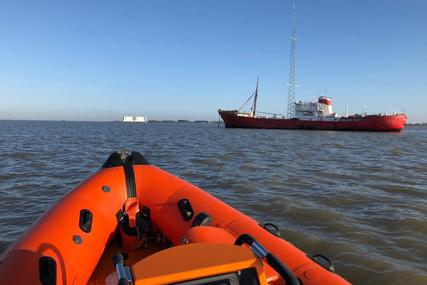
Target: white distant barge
point(135, 119)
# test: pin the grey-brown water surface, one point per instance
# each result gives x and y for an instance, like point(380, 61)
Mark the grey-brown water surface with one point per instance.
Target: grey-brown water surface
point(358, 198)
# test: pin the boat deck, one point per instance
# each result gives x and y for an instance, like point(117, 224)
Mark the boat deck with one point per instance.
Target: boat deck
point(105, 265)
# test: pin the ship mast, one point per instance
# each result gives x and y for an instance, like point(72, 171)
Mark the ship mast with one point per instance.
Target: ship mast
point(255, 98)
point(291, 83)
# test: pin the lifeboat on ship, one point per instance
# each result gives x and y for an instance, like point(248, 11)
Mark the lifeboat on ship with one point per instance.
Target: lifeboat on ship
point(133, 223)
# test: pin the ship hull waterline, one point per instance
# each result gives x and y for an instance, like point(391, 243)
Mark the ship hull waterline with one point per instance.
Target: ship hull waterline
point(370, 123)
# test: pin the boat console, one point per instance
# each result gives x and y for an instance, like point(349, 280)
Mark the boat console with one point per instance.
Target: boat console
point(200, 264)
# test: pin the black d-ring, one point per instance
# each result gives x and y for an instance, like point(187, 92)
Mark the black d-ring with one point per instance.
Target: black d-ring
point(272, 229)
point(323, 261)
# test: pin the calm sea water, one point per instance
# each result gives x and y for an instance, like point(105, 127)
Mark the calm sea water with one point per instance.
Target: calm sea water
point(358, 198)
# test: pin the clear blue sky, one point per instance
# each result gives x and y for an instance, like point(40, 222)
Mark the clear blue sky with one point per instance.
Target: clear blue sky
point(99, 60)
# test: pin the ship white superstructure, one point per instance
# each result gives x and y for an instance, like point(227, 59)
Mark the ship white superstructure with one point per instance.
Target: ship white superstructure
point(321, 108)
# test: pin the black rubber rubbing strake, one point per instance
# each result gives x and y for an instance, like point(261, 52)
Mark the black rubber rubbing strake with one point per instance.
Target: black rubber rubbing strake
point(119, 158)
point(130, 180)
point(127, 160)
point(47, 270)
point(138, 159)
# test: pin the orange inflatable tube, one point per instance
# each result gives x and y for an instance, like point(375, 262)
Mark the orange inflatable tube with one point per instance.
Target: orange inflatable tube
point(127, 205)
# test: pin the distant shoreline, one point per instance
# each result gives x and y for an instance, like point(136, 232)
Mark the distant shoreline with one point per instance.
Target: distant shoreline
point(417, 124)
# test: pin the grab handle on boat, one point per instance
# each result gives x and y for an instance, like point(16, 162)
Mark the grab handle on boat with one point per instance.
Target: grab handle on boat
point(271, 259)
point(282, 269)
point(123, 272)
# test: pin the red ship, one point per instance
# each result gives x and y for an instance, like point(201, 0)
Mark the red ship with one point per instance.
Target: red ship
point(316, 115)
point(372, 123)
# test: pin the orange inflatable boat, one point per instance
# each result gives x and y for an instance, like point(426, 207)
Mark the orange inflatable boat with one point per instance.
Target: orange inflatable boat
point(132, 223)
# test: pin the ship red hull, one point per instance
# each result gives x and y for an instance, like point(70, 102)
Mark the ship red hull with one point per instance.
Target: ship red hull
point(371, 123)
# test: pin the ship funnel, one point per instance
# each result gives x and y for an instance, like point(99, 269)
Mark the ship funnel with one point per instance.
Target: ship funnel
point(325, 103)
point(325, 100)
